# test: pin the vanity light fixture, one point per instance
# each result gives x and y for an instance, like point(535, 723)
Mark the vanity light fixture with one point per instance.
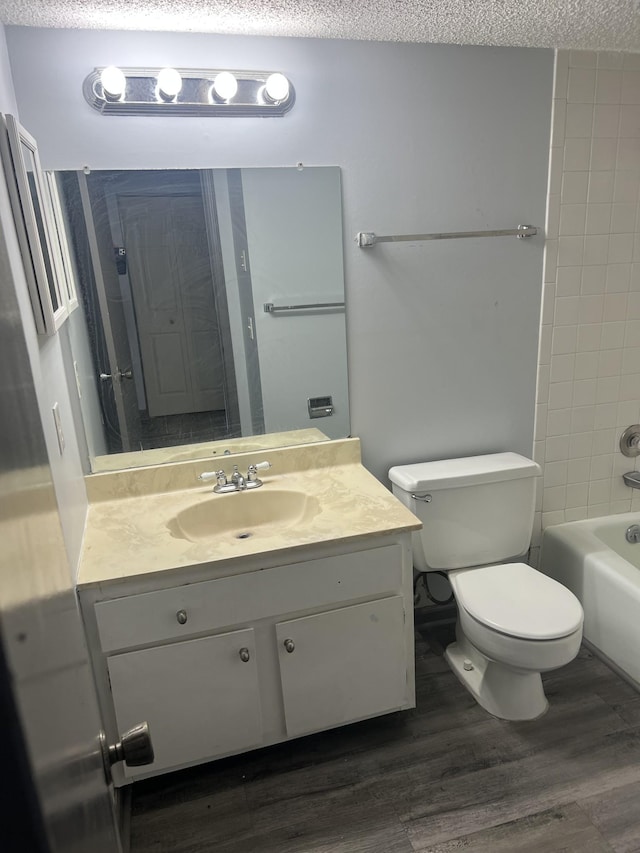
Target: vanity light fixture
point(188, 92)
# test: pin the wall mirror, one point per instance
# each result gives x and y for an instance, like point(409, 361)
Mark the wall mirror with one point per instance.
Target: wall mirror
point(213, 318)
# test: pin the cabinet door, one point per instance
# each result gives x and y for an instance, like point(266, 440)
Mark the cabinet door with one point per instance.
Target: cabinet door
point(343, 665)
point(200, 698)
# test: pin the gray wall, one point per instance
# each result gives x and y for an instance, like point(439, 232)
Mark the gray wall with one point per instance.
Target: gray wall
point(47, 365)
point(442, 337)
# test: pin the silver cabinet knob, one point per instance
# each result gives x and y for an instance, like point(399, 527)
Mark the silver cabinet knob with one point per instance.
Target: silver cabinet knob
point(289, 645)
point(244, 655)
point(181, 616)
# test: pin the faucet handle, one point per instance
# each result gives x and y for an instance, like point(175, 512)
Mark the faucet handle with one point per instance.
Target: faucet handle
point(220, 476)
point(252, 473)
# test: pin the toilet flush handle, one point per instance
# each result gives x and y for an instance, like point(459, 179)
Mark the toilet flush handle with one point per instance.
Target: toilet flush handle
point(424, 498)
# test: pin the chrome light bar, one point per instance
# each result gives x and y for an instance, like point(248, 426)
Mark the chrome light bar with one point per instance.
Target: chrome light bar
point(140, 93)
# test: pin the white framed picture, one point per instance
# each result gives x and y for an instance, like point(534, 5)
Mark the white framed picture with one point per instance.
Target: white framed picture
point(33, 216)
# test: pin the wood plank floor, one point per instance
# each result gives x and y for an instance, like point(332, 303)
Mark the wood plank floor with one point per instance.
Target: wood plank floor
point(443, 777)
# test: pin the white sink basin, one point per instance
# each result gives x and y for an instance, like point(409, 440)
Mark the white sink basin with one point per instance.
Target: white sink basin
point(245, 514)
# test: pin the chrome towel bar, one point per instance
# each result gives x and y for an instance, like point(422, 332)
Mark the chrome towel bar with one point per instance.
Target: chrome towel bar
point(270, 308)
point(365, 239)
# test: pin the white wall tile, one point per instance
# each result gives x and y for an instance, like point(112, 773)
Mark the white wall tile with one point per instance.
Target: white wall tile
point(589, 337)
point(630, 360)
point(603, 153)
point(568, 281)
point(618, 278)
point(601, 185)
point(589, 372)
point(612, 59)
point(610, 362)
point(598, 219)
point(586, 365)
point(593, 280)
point(615, 307)
point(565, 339)
point(556, 448)
point(627, 153)
point(581, 58)
point(630, 87)
point(560, 395)
point(623, 218)
point(584, 392)
point(608, 86)
point(577, 494)
point(612, 335)
point(574, 187)
point(606, 118)
point(620, 248)
point(605, 416)
point(578, 121)
point(626, 185)
point(577, 153)
point(572, 217)
point(582, 85)
point(629, 120)
point(580, 445)
point(575, 514)
point(596, 250)
point(578, 471)
point(562, 367)
point(558, 423)
point(590, 309)
point(555, 474)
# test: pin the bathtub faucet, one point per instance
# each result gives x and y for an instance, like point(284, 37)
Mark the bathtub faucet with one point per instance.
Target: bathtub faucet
point(632, 479)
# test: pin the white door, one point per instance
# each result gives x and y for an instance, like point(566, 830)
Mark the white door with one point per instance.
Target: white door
point(170, 274)
point(343, 665)
point(200, 697)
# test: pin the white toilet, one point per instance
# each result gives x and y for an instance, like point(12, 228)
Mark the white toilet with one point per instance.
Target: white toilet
point(513, 621)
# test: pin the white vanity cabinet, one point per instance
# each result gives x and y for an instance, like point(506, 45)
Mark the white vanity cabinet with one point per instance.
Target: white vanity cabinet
point(221, 664)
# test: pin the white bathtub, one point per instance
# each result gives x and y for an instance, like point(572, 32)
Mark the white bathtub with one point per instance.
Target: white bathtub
point(594, 560)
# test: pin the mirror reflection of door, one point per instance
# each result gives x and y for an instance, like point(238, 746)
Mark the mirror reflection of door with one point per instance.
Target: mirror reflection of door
point(170, 277)
point(167, 308)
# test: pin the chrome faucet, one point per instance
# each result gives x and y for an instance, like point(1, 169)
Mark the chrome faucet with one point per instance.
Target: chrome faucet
point(237, 483)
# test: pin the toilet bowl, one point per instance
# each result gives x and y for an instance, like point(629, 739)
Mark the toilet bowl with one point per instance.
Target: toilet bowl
point(513, 622)
point(512, 626)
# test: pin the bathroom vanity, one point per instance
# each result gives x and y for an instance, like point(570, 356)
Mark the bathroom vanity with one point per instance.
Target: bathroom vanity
point(256, 633)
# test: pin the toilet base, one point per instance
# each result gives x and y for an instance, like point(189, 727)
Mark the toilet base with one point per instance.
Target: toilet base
point(507, 693)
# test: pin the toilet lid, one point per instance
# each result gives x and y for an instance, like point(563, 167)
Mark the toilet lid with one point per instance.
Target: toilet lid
point(517, 600)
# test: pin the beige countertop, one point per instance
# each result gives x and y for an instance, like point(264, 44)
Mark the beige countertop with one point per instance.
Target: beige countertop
point(136, 535)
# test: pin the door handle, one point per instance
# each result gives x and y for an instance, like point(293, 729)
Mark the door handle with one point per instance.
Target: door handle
point(135, 748)
point(119, 375)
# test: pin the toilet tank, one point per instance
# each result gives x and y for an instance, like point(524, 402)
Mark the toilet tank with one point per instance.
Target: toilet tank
point(480, 509)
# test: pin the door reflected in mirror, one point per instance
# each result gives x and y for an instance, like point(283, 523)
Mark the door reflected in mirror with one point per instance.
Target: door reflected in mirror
point(213, 316)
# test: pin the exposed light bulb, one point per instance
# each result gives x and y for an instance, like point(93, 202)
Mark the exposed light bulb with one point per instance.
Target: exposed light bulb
point(113, 82)
point(224, 86)
point(276, 87)
point(169, 83)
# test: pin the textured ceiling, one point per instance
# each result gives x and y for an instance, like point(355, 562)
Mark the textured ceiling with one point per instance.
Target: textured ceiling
point(589, 24)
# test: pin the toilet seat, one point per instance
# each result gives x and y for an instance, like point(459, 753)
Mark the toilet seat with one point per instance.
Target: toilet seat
point(517, 601)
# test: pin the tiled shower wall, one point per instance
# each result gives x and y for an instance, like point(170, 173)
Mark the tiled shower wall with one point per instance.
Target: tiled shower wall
point(589, 362)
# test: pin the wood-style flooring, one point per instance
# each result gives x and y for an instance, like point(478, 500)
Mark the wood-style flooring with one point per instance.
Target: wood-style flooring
point(443, 777)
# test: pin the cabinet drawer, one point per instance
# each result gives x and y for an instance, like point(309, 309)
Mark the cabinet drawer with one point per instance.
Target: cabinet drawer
point(167, 614)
